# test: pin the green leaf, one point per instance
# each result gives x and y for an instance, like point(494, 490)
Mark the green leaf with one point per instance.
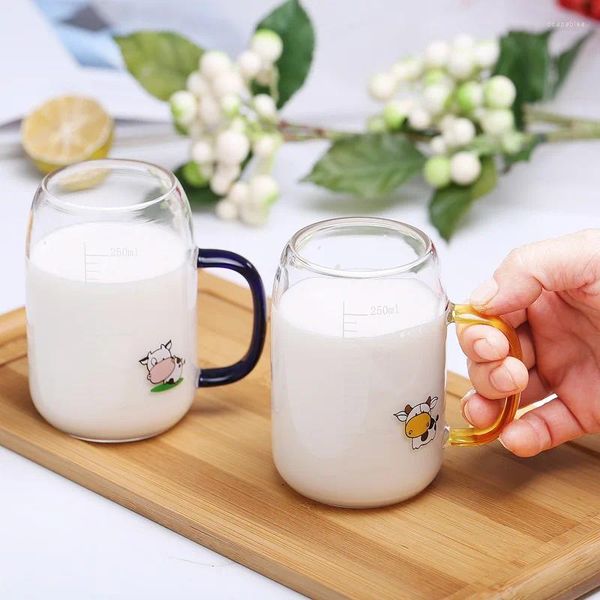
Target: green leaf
point(525, 59)
point(372, 164)
point(163, 387)
point(450, 204)
point(564, 61)
point(160, 60)
point(196, 194)
point(293, 25)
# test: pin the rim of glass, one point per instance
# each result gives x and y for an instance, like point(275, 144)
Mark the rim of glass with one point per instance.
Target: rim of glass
point(306, 233)
point(109, 164)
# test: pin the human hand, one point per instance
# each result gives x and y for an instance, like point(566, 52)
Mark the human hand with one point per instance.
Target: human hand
point(550, 292)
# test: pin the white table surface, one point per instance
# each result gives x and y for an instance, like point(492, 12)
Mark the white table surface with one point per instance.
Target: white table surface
point(59, 540)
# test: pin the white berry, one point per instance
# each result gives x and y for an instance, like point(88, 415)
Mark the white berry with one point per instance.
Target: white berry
point(438, 145)
point(265, 106)
point(239, 192)
point(382, 86)
point(196, 129)
point(213, 63)
point(232, 147)
point(487, 53)
point(267, 44)
point(249, 63)
point(229, 82)
point(238, 124)
point(436, 54)
point(419, 118)
point(197, 84)
point(498, 121)
point(463, 132)
point(265, 76)
point(434, 97)
point(230, 104)
point(263, 190)
point(226, 210)
point(209, 111)
point(461, 63)
point(265, 145)
point(499, 92)
point(220, 184)
point(465, 168)
point(202, 151)
point(228, 171)
point(446, 122)
point(183, 107)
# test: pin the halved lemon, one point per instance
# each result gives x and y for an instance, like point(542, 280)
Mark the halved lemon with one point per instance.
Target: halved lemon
point(66, 130)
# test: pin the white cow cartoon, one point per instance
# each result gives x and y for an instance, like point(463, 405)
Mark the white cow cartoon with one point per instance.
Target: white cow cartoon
point(420, 425)
point(162, 366)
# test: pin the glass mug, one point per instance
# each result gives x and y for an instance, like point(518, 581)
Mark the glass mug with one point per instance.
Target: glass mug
point(359, 319)
point(111, 301)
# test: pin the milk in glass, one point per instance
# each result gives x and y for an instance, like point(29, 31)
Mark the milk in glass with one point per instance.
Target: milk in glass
point(348, 355)
point(111, 322)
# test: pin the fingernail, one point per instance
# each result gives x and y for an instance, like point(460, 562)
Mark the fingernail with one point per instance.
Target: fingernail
point(484, 293)
point(464, 402)
point(485, 349)
point(502, 379)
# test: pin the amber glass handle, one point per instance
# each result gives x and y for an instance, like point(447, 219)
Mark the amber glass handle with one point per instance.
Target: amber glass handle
point(465, 314)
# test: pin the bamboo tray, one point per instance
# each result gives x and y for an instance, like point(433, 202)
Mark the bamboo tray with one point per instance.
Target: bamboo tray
point(490, 526)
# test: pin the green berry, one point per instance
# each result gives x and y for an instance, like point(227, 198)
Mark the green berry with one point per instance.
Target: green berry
point(437, 171)
point(512, 142)
point(432, 76)
point(469, 96)
point(394, 114)
point(194, 175)
point(499, 92)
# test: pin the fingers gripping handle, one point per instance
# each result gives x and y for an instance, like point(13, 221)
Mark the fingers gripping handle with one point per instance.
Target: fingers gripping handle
point(465, 314)
point(223, 259)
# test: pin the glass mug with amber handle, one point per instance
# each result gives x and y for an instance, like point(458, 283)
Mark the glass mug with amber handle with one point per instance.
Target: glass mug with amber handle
point(359, 319)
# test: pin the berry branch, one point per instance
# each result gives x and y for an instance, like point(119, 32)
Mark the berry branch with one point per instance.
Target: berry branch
point(460, 113)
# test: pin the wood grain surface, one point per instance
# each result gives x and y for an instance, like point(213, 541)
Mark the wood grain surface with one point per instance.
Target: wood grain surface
point(490, 526)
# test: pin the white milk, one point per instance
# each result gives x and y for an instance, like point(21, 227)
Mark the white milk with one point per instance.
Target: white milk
point(100, 297)
point(347, 355)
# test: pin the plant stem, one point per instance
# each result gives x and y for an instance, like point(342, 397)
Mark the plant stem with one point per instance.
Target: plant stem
point(294, 132)
point(569, 129)
point(537, 115)
point(581, 131)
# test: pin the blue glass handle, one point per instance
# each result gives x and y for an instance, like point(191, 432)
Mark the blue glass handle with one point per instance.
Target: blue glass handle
point(223, 259)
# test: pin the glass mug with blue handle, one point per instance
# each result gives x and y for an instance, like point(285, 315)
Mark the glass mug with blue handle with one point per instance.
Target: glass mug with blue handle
point(359, 318)
point(111, 302)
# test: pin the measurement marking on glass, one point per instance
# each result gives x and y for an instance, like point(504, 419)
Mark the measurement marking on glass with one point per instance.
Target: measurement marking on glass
point(348, 324)
point(91, 269)
point(101, 263)
point(352, 321)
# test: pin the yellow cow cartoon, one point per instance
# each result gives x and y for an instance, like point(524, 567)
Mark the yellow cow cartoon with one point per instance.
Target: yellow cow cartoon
point(419, 424)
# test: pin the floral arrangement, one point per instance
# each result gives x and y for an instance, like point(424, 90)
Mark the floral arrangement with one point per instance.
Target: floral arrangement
point(460, 113)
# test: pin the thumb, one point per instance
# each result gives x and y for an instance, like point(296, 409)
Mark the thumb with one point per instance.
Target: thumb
point(566, 263)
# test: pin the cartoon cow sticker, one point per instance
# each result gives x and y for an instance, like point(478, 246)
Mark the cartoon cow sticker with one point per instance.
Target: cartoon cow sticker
point(420, 425)
point(164, 369)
